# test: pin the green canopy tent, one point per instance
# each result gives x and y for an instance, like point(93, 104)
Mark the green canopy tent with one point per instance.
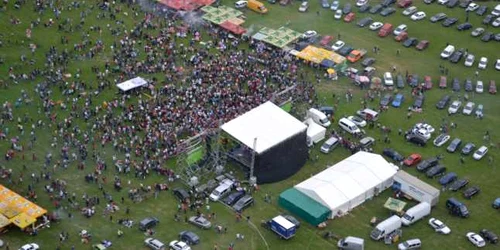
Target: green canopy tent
point(303, 206)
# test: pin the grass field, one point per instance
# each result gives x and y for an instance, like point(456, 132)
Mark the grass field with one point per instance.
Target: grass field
point(357, 222)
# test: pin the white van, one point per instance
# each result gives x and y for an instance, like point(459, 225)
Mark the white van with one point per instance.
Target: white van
point(416, 213)
point(496, 10)
point(447, 52)
point(318, 117)
point(349, 126)
point(329, 145)
point(368, 114)
point(220, 191)
point(351, 243)
point(386, 227)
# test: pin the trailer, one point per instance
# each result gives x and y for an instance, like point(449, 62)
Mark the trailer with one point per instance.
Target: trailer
point(282, 227)
point(415, 188)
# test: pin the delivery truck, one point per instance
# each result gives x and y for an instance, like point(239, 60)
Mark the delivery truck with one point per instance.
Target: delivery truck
point(416, 213)
point(257, 6)
point(386, 227)
point(282, 227)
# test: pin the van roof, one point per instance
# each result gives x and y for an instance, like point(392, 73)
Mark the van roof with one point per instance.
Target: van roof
point(389, 220)
point(347, 121)
point(331, 140)
point(355, 240)
point(317, 112)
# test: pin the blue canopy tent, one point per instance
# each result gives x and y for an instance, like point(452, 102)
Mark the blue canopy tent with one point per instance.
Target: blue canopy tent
point(327, 63)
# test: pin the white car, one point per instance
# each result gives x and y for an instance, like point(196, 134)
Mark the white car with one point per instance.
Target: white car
point(497, 65)
point(479, 111)
point(338, 45)
point(377, 25)
point(455, 105)
point(357, 120)
point(422, 132)
point(480, 152)
point(443, 2)
point(360, 3)
point(425, 126)
point(338, 14)
point(410, 244)
point(410, 10)
point(400, 28)
point(303, 7)
point(240, 4)
point(472, 7)
point(496, 23)
point(469, 60)
point(479, 87)
point(468, 108)
point(309, 34)
point(476, 239)
point(335, 5)
point(418, 16)
point(482, 63)
point(179, 245)
point(388, 80)
point(441, 140)
point(30, 246)
point(439, 226)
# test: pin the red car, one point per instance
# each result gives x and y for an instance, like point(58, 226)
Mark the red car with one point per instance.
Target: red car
point(412, 160)
point(422, 45)
point(493, 87)
point(442, 82)
point(325, 40)
point(349, 17)
point(427, 82)
point(404, 3)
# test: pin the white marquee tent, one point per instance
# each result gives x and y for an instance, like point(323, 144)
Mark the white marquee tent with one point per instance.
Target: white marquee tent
point(268, 123)
point(132, 84)
point(350, 182)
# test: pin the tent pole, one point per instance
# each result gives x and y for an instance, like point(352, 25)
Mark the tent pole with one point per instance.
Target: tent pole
point(253, 158)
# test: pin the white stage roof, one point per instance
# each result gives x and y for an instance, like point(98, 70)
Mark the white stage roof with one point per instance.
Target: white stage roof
point(268, 123)
point(132, 84)
point(348, 180)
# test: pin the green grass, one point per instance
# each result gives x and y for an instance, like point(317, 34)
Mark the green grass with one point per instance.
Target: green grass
point(357, 222)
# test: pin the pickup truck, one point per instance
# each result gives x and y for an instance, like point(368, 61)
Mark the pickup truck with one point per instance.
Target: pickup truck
point(356, 54)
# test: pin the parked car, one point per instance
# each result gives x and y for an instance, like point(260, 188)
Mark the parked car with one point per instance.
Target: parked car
point(148, 223)
point(439, 226)
point(475, 239)
point(410, 42)
point(464, 26)
point(493, 87)
point(438, 17)
point(189, 237)
point(388, 80)
point(487, 36)
point(443, 82)
point(464, 3)
point(240, 4)
point(387, 11)
point(443, 2)
point(427, 163)
point(418, 16)
point(480, 153)
point(357, 120)
point(30, 246)
point(243, 203)
point(335, 5)
point(365, 22)
point(376, 25)
point(368, 62)
point(376, 8)
point(419, 101)
point(338, 45)
point(497, 64)
point(457, 55)
point(468, 85)
point(410, 244)
point(469, 60)
point(454, 145)
point(496, 203)
point(325, 4)
point(398, 100)
point(412, 160)
point(472, 7)
point(360, 3)
point(448, 178)
point(347, 8)
point(441, 140)
point(386, 99)
point(400, 83)
point(468, 108)
point(386, 3)
point(471, 192)
point(449, 21)
point(458, 184)
point(410, 10)
point(479, 111)
point(233, 197)
point(455, 105)
point(179, 245)
point(344, 51)
point(496, 22)
point(443, 102)
point(400, 29)
point(435, 171)
point(416, 139)
point(456, 85)
point(200, 222)
point(365, 8)
point(349, 17)
point(479, 87)
point(482, 63)
point(422, 45)
point(392, 154)
point(488, 19)
point(452, 3)
point(304, 6)
point(468, 148)
point(489, 236)
point(477, 32)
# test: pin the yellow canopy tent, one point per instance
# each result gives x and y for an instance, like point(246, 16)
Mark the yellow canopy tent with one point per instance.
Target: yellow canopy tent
point(4, 221)
point(23, 220)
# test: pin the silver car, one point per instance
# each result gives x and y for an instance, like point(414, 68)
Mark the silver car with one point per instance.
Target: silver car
point(200, 222)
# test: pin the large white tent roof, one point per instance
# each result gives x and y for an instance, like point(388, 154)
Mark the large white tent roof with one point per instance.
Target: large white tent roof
point(348, 179)
point(268, 123)
point(131, 84)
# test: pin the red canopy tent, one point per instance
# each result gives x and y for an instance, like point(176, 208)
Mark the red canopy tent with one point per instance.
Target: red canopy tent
point(188, 5)
point(235, 29)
